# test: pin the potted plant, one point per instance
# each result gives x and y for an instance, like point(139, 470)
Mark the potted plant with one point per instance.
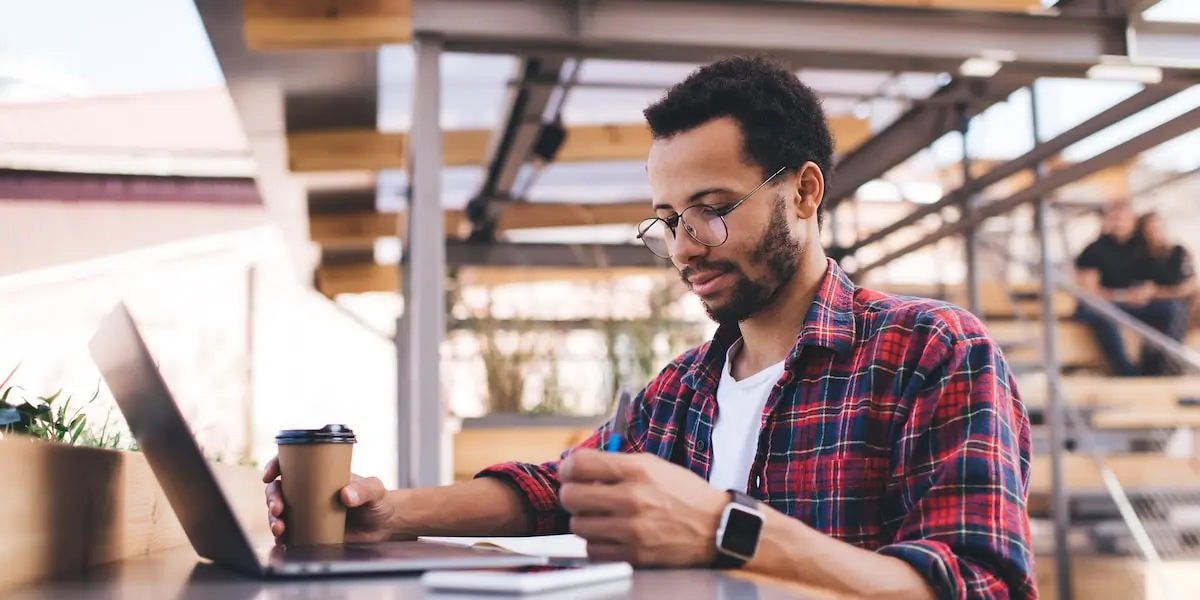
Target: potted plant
point(55, 418)
point(528, 414)
point(636, 349)
point(522, 373)
point(77, 476)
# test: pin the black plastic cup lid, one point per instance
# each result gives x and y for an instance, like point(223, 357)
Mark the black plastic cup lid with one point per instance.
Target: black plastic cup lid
point(329, 434)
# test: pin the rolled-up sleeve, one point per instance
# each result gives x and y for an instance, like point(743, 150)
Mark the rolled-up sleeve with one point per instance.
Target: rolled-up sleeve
point(958, 498)
point(538, 485)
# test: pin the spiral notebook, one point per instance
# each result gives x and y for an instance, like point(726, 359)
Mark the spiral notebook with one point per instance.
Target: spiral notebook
point(553, 546)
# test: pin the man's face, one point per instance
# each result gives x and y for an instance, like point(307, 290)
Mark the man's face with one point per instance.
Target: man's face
point(766, 238)
point(1120, 222)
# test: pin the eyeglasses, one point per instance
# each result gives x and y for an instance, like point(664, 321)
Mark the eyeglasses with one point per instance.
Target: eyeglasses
point(702, 222)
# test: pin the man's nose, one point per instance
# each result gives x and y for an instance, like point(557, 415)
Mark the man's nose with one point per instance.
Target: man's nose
point(685, 248)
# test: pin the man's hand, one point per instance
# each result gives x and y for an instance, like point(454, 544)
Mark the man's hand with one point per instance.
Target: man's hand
point(1139, 296)
point(640, 509)
point(368, 518)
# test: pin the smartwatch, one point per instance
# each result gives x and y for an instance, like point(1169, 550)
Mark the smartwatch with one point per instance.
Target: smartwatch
point(738, 531)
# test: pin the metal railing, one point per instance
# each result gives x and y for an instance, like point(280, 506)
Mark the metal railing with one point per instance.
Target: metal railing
point(1150, 540)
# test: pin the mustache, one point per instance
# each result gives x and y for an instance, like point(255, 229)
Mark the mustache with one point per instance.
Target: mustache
point(721, 266)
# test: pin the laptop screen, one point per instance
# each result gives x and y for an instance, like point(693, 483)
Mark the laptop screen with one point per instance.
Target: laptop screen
point(165, 439)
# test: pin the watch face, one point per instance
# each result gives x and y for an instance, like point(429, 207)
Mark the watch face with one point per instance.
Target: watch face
point(742, 529)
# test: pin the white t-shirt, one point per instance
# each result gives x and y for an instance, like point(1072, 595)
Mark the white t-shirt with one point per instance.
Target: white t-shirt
point(740, 406)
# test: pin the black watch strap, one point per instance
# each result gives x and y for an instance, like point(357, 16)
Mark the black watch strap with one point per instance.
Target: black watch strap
point(730, 561)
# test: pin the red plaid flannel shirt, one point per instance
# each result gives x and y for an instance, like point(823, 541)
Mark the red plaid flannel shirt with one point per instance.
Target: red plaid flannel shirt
point(896, 427)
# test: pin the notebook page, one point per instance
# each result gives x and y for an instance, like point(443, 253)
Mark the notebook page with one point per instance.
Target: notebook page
point(558, 546)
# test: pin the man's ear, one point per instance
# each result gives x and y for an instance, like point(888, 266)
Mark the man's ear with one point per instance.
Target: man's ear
point(810, 190)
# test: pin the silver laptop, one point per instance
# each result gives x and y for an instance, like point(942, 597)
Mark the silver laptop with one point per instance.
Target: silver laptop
point(212, 528)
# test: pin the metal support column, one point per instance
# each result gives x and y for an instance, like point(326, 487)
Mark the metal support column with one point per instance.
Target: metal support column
point(970, 241)
point(248, 369)
point(1057, 416)
point(419, 339)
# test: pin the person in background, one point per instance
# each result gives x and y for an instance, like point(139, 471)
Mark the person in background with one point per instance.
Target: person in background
point(1172, 273)
point(1112, 268)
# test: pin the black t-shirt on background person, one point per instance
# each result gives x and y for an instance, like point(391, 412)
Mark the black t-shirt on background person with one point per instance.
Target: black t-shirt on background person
point(1121, 265)
point(1170, 270)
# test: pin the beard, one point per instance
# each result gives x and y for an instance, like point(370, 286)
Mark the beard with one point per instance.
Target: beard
point(776, 251)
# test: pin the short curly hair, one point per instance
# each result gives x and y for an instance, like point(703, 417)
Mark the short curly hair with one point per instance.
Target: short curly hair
point(780, 117)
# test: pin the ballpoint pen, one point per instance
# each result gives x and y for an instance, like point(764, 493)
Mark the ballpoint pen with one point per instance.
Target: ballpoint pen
point(620, 426)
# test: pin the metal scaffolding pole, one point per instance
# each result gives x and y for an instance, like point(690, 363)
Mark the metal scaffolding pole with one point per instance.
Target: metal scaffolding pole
point(1041, 151)
point(419, 339)
point(970, 241)
point(1160, 134)
point(812, 32)
point(1057, 417)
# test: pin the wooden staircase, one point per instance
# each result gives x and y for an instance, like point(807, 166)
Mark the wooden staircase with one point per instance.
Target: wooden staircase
point(1142, 432)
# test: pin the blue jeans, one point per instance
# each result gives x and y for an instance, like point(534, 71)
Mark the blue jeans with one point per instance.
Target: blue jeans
point(1166, 316)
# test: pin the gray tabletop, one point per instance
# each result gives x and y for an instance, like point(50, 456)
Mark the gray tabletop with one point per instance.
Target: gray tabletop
point(178, 574)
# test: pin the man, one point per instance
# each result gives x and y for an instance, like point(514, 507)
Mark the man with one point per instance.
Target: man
point(1114, 267)
point(881, 439)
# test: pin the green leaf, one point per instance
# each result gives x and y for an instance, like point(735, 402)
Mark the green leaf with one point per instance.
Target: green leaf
point(39, 431)
point(77, 428)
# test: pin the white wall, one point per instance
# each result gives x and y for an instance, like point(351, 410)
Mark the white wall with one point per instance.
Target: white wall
point(312, 365)
point(42, 233)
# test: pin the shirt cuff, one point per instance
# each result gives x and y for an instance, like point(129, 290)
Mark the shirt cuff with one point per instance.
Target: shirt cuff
point(539, 490)
point(934, 562)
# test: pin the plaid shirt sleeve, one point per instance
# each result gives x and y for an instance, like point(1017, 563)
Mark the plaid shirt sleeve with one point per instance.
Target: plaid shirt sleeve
point(962, 472)
point(538, 483)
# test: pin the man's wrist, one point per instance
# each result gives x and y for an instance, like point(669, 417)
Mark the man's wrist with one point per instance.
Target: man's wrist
point(398, 527)
point(739, 531)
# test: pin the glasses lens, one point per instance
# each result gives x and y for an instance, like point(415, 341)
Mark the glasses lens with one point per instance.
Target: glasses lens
point(704, 224)
point(656, 236)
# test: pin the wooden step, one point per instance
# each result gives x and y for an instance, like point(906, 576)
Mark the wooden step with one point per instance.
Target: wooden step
point(1118, 392)
point(1135, 472)
point(1134, 418)
point(998, 301)
point(1077, 347)
point(1118, 578)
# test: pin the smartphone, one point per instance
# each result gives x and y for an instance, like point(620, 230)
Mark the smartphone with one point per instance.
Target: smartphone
point(528, 579)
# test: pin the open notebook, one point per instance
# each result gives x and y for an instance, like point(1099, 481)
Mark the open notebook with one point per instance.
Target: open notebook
point(554, 546)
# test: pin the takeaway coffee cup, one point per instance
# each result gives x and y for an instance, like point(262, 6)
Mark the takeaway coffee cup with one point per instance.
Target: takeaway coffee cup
point(314, 466)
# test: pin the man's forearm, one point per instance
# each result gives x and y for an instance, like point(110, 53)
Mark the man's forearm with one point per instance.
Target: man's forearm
point(1174, 292)
point(1167, 292)
point(479, 507)
point(789, 549)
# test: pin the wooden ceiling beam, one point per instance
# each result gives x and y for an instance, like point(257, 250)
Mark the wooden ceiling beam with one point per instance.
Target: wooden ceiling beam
point(370, 150)
point(982, 5)
point(1109, 183)
point(273, 25)
point(360, 278)
point(358, 272)
point(363, 228)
